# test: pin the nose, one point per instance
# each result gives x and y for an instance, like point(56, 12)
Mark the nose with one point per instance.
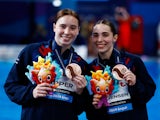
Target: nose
point(67, 31)
point(100, 38)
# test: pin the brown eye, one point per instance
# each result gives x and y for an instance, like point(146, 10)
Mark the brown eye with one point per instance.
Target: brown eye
point(73, 27)
point(94, 35)
point(63, 26)
point(105, 34)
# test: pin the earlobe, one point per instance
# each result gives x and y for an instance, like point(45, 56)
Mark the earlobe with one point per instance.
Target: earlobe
point(115, 38)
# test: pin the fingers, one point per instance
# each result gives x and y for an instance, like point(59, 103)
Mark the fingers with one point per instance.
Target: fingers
point(41, 90)
point(80, 83)
point(96, 99)
point(130, 78)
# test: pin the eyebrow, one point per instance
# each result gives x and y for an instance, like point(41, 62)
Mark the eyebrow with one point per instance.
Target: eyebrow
point(98, 33)
point(69, 25)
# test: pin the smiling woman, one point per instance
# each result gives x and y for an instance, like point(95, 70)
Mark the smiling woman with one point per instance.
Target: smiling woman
point(53, 55)
point(136, 81)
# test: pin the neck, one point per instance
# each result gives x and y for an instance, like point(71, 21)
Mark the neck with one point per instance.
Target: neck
point(106, 55)
point(64, 48)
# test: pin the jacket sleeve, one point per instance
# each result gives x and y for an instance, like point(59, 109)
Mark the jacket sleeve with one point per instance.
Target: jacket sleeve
point(17, 86)
point(80, 101)
point(144, 88)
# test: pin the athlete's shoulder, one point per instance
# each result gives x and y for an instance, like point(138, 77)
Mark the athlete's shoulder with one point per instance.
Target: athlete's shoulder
point(130, 55)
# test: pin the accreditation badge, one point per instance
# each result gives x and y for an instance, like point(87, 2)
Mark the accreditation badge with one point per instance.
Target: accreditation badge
point(64, 91)
point(66, 88)
point(120, 101)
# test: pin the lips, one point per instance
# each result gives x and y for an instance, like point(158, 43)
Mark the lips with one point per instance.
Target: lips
point(66, 39)
point(100, 45)
point(66, 36)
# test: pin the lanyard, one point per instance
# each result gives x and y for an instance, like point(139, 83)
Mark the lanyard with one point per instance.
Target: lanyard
point(60, 59)
point(117, 59)
point(100, 63)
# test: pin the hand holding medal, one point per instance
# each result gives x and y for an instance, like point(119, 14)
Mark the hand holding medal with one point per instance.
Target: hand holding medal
point(121, 72)
point(73, 71)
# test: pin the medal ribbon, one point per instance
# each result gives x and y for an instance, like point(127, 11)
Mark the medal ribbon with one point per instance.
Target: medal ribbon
point(60, 59)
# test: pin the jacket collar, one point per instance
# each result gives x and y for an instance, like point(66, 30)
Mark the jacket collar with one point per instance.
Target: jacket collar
point(115, 58)
point(58, 48)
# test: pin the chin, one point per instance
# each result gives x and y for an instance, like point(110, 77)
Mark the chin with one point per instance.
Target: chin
point(66, 43)
point(101, 50)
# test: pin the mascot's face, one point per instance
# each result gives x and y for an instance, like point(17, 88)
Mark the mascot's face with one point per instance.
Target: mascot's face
point(102, 87)
point(44, 75)
point(118, 71)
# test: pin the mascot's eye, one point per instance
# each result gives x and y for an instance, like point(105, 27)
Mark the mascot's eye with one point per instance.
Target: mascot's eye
point(109, 80)
point(40, 79)
point(48, 77)
point(107, 89)
point(98, 89)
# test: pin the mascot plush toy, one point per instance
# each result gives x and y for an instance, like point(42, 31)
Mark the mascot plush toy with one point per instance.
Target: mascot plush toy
point(44, 71)
point(107, 82)
point(102, 83)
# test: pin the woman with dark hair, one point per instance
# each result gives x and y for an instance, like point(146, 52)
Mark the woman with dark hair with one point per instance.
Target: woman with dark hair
point(131, 93)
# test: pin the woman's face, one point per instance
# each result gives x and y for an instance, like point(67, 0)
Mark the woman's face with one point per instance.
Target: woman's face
point(66, 30)
point(103, 38)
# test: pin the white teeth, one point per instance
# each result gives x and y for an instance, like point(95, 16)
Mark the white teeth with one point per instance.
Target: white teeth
point(64, 36)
